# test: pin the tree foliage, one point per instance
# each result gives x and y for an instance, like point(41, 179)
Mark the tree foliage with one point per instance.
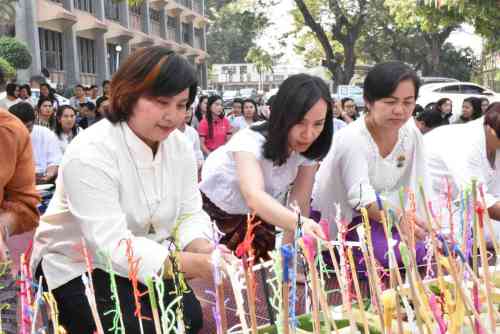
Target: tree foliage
point(233, 32)
point(15, 52)
point(7, 69)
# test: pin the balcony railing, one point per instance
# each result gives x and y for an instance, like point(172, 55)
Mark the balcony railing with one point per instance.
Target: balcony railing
point(60, 2)
point(135, 21)
point(156, 28)
point(85, 5)
point(186, 3)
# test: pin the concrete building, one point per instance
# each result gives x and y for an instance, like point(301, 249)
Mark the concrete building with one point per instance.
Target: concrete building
point(490, 74)
point(239, 76)
point(84, 41)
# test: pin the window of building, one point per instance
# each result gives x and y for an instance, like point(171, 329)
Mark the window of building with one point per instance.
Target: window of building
point(86, 52)
point(85, 5)
point(51, 49)
point(112, 10)
point(136, 10)
point(186, 33)
point(154, 14)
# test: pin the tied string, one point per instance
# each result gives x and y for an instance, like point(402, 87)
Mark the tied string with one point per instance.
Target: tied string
point(118, 325)
point(133, 271)
point(245, 251)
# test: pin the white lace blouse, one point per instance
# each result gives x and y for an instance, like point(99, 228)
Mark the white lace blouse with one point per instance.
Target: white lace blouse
point(354, 171)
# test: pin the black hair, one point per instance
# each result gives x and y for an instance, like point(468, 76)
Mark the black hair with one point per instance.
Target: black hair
point(2, 77)
point(80, 86)
point(211, 100)
point(44, 84)
point(150, 72)
point(432, 119)
point(476, 107)
point(42, 99)
point(198, 113)
point(418, 110)
point(492, 117)
point(252, 101)
point(295, 97)
point(100, 101)
point(89, 105)
point(238, 100)
point(383, 79)
point(27, 87)
point(105, 82)
point(24, 111)
point(11, 89)
point(345, 99)
point(58, 129)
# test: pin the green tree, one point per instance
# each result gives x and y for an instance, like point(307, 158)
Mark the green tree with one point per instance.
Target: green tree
point(7, 69)
point(262, 60)
point(15, 52)
point(233, 32)
point(334, 23)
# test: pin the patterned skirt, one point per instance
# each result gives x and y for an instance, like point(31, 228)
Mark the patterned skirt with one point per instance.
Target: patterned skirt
point(234, 228)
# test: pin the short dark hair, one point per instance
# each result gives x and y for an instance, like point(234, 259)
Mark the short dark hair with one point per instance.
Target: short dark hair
point(432, 118)
point(105, 82)
point(79, 86)
point(44, 84)
point(27, 87)
point(99, 101)
point(153, 71)
point(89, 105)
point(383, 79)
point(2, 76)
point(211, 100)
point(11, 89)
point(238, 100)
point(345, 99)
point(295, 97)
point(440, 102)
point(24, 111)
point(476, 106)
point(492, 117)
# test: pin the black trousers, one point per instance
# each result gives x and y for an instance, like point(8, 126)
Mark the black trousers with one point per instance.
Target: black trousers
point(76, 317)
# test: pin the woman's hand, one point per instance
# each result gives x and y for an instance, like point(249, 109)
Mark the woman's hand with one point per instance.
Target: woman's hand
point(200, 265)
point(421, 230)
point(312, 228)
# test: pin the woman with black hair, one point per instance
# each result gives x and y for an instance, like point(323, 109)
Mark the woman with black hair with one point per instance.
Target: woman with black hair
point(374, 157)
point(135, 185)
point(248, 117)
point(471, 110)
point(66, 127)
point(199, 112)
point(253, 172)
point(461, 153)
point(45, 113)
point(445, 107)
point(214, 129)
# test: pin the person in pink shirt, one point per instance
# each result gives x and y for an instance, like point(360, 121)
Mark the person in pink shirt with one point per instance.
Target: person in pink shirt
point(214, 129)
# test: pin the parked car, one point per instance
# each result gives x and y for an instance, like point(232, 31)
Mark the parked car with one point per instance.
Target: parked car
point(35, 95)
point(456, 92)
point(430, 80)
point(354, 92)
point(228, 96)
point(248, 93)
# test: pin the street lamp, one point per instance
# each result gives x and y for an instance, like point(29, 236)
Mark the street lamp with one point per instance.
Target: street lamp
point(118, 49)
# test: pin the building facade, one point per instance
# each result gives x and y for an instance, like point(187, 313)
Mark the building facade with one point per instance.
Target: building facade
point(84, 41)
point(240, 76)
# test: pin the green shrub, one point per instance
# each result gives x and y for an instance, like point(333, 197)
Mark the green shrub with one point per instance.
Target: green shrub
point(15, 52)
point(7, 69)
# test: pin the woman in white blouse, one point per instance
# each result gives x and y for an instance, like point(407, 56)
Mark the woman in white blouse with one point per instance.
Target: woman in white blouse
point(377, 154)
point(132, 176)
point(253, 172)
point(462, 152)
point(249, 115)
point(66, 127)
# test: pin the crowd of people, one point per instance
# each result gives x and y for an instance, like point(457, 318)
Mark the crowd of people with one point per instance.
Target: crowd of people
point(146, 156)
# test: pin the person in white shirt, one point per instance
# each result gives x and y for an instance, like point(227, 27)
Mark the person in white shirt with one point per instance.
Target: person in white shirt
point(235, 112)
point(131, 177)
point(46, 151)
point(460, 152)
point(79, 98)
point(12, 91)
point(253, 172)
point(249, 115)
point(66, 127)
point(376, 155)
point(192, 135)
